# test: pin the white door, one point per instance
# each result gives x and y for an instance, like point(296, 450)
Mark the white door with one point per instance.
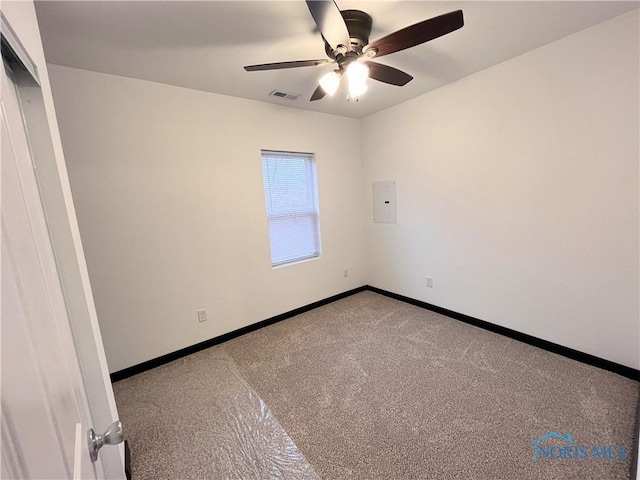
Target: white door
point(45, 413)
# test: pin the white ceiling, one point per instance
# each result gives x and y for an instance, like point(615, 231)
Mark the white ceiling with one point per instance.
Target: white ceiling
point(204, 44)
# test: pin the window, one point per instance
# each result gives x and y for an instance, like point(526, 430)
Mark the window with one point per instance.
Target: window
point(292, 206)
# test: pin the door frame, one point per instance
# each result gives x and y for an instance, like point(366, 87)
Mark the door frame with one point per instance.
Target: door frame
point(55, 193)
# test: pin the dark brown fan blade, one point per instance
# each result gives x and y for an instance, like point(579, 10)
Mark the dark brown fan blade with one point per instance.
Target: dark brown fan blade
point(387, 74)
point(327, 16)
point(419, 33)
point(279, 65)
point(318, 94)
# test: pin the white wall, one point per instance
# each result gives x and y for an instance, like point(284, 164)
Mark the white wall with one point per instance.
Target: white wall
point(168, 187)
point(518, 192)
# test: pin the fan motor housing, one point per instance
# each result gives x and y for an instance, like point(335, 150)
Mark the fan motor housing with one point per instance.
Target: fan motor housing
point(359, 26)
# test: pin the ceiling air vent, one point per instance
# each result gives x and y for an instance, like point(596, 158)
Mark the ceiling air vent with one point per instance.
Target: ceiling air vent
point(280, 94)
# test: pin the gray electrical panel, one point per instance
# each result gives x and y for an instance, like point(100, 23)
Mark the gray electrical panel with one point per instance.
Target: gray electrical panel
point(384, 202)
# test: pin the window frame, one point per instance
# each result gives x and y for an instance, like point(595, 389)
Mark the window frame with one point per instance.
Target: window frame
point(311, 210)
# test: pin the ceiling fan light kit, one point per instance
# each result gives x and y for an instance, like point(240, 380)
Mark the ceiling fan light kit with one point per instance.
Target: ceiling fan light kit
point(330, 82)
point(346, 38)
point(357, 74)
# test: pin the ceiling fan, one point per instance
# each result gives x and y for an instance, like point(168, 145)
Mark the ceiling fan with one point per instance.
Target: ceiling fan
point(346, 40)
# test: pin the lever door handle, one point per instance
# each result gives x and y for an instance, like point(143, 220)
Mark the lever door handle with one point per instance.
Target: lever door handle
point(112, 436)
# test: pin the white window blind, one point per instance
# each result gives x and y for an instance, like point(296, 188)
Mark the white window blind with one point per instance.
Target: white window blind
point(292, 206)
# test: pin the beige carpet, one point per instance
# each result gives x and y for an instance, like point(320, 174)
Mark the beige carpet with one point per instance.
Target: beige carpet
point(196, 418)
point(373, 388)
